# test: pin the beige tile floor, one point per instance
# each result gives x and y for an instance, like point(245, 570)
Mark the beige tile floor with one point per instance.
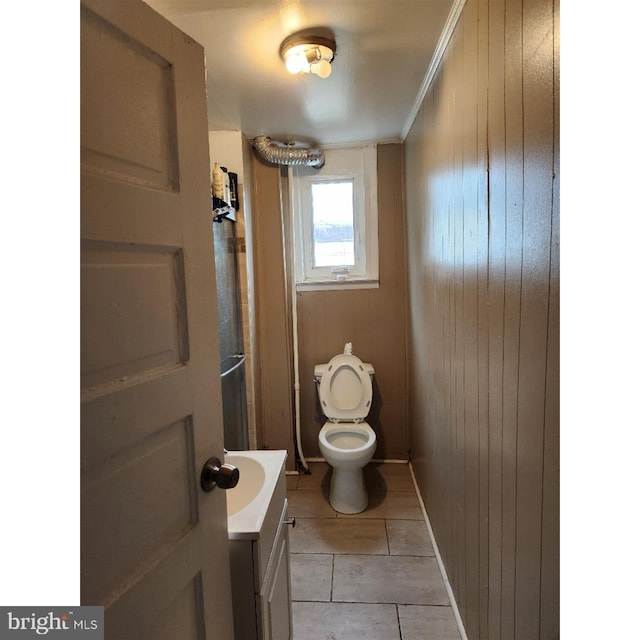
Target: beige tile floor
point(370, 576)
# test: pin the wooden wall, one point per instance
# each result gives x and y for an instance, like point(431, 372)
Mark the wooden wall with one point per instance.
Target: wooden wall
point(373, 320)
point(273, 351)
point(482, 180)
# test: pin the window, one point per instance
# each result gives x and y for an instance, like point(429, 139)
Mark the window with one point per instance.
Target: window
point(336, 220)
point(332, 223)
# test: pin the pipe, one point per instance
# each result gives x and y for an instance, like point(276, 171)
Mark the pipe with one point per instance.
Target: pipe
point(296, 382)
point(296, 357)
point(289, 155)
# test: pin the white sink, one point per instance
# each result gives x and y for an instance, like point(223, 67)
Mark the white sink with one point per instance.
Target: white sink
point(261, 479)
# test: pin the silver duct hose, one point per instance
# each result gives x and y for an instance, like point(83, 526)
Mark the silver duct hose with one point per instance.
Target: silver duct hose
point(276, 154)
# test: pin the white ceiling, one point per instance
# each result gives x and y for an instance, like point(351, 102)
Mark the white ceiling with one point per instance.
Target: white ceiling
point(384, 48)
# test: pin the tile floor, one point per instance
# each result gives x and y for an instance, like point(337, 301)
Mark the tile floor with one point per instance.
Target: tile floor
point(369, 576)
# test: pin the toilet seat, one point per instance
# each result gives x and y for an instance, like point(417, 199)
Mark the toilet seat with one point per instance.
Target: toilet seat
point(345, 389)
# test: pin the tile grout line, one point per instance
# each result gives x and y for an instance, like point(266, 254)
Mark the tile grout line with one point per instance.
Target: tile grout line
point(333, 564)
point(386, 533)
point(452, 599)
point(398, 619)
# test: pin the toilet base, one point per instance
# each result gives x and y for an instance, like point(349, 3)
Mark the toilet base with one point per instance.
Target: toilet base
point(348, 493)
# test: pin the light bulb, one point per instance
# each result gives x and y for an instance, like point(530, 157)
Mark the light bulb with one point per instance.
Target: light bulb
point(295, 62)
point(322, 69)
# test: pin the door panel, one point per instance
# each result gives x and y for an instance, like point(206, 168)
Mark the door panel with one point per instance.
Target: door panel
point(141, 290)
point(154, 547)
point(139, 149)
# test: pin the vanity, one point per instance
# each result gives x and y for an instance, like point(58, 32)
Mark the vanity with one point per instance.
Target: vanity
point(259, 546)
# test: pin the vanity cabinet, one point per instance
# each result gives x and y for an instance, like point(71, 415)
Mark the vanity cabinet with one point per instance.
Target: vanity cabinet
point(260, 576)
point(273, 602)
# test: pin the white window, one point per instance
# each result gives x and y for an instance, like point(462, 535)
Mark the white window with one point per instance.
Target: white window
point(335, 220)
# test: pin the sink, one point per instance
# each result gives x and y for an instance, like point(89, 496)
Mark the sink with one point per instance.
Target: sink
point(252, 479)
point(261, 482)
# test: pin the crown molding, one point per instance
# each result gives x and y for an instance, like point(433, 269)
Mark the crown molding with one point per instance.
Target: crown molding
point(441, 47)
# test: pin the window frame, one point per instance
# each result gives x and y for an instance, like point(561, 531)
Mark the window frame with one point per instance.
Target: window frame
point(356, 164)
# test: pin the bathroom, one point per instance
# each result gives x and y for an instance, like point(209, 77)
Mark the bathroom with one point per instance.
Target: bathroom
point(461, 325)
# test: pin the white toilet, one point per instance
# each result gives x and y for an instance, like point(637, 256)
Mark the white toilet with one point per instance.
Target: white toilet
point(347, 442)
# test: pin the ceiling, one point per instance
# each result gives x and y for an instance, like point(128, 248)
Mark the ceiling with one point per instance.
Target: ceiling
point(384, 49)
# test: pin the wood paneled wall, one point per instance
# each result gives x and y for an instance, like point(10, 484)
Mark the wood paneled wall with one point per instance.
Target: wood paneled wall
point(373, 320)
point(273, 344)
point(482, 176)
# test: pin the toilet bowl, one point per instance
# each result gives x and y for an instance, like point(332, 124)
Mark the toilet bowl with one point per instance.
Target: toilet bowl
point(346, 441)
point(347, 447)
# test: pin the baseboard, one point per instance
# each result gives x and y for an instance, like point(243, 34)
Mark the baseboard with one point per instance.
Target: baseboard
point(454, 604)
point(377, 460)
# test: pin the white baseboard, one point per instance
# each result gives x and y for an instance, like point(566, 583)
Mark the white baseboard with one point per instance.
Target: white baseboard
point(378, 460)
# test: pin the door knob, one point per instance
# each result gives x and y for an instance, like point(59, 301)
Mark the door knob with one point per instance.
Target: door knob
point(215, 474)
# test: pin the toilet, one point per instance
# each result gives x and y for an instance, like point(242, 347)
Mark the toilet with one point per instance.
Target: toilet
point(346, 441)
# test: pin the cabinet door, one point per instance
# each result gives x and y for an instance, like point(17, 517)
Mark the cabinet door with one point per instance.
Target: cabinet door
point(274, 600)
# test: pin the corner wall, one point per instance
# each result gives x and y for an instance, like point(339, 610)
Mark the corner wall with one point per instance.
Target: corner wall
point(273, 349)
point(482, 182)
point(374, 320)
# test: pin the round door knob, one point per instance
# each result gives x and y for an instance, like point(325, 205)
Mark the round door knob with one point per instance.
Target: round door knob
point(214, 473)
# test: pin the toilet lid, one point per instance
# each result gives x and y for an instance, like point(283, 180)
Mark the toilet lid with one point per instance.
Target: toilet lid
point(345, 389)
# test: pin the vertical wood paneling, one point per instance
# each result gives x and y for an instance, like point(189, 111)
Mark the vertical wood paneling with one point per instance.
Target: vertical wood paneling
point(538, 172)
point(459, 413)
point(496, 303)
point(274, 343)
point(483, 318)
point(550, 552)
point(513, 279)
point(373, 320)
point(449, 509)
point(470, 310)
point(482, 238)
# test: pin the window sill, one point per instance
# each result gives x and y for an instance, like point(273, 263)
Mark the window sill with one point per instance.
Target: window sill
point(335, 285)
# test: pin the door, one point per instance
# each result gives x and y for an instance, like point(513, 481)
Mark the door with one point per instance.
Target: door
point(232, 367)
point(154, 548)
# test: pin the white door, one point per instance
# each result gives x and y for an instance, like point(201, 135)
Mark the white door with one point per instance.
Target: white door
point(154, 548)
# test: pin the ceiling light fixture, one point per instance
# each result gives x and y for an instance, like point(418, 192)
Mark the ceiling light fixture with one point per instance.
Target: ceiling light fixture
point(305, 52)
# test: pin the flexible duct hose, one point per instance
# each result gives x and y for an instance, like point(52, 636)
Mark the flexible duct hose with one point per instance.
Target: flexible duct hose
point(276, 154)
